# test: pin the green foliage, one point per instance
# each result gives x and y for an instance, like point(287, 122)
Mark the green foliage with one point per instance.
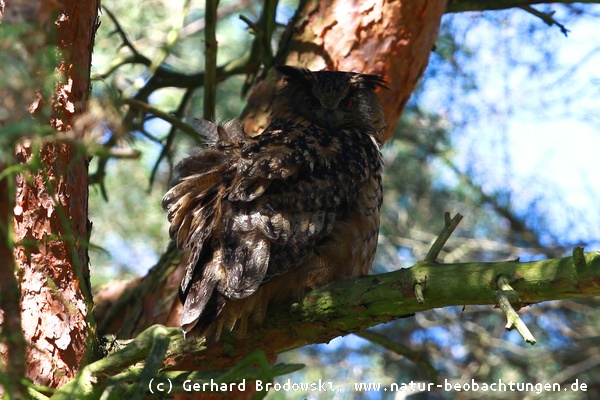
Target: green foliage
point(23, 74)
point(118, 376)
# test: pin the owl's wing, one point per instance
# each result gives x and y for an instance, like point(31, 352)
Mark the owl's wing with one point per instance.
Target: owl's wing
point(232, 130)
point(237, 206)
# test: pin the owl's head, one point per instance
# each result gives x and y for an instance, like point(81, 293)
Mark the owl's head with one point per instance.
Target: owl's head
point(331, 99)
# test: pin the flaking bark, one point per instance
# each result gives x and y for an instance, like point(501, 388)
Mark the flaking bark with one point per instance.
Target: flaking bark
point(50, 207)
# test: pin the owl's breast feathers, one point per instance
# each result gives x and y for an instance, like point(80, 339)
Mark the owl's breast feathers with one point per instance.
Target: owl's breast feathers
point(270, 217)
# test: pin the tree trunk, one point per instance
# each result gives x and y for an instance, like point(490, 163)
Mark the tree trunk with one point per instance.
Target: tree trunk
point(51, 228)
point(392, 39)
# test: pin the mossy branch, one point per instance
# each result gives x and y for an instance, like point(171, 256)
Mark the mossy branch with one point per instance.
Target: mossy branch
point(354, 305)
point(120, 375)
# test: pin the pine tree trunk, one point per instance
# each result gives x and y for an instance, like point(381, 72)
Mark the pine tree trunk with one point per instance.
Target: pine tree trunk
point(392, 39)
point(50, 209)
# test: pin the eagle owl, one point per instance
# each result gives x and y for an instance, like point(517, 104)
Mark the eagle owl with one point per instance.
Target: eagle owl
point(268, 218)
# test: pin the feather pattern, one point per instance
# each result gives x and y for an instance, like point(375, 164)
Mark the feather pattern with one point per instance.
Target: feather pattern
point(294, 208)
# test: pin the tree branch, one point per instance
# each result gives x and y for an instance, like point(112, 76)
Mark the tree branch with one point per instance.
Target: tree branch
point(484, 5)
point(513, 319)
point(110, 374)
point(173, 120)
point(402, 350)
point(210, 59)
point(354, 305)
point(546, 17)
point(449, 227)
point(517, 223)
point(166, 149)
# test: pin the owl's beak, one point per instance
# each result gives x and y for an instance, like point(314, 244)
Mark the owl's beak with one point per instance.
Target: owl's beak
point(330, 118)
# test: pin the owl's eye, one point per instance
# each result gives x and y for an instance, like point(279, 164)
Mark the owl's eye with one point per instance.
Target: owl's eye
point(347, 104)
point(311, 102)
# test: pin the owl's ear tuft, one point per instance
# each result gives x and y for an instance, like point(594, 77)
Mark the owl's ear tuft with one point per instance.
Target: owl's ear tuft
point(294, 74)
point(373, 81)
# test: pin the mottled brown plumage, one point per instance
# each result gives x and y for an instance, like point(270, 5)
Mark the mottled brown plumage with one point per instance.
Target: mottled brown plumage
point(270, 217)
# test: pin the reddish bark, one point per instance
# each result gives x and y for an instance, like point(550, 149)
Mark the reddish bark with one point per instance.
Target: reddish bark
point(53, 303)
point(389, 38)
point(50, 213)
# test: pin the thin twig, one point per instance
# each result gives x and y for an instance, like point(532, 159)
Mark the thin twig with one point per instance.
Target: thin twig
point(118, 63)
point(578, 257)
point(513, 319)
point(449, 227)
point(167, 147)
point(577, 369)
point(548, 18)
point(135, 58)
point(491, 5)
point(419, 292)
point(172, 38)
point(269, 24)
point(263, 30)
point(400, 349)
point(224, 11)
point(173, 120)
point(164, 77)
point(210, 59)
point(518, 224)
point(261, 52)
point(126, 42)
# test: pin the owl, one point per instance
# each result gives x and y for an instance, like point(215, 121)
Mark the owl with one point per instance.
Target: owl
point(267, 218)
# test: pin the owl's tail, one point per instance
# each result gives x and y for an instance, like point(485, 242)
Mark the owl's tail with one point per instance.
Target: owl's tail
point(202, 303)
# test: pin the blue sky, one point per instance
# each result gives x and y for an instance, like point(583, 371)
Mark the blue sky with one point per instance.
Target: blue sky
point(533, 125)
